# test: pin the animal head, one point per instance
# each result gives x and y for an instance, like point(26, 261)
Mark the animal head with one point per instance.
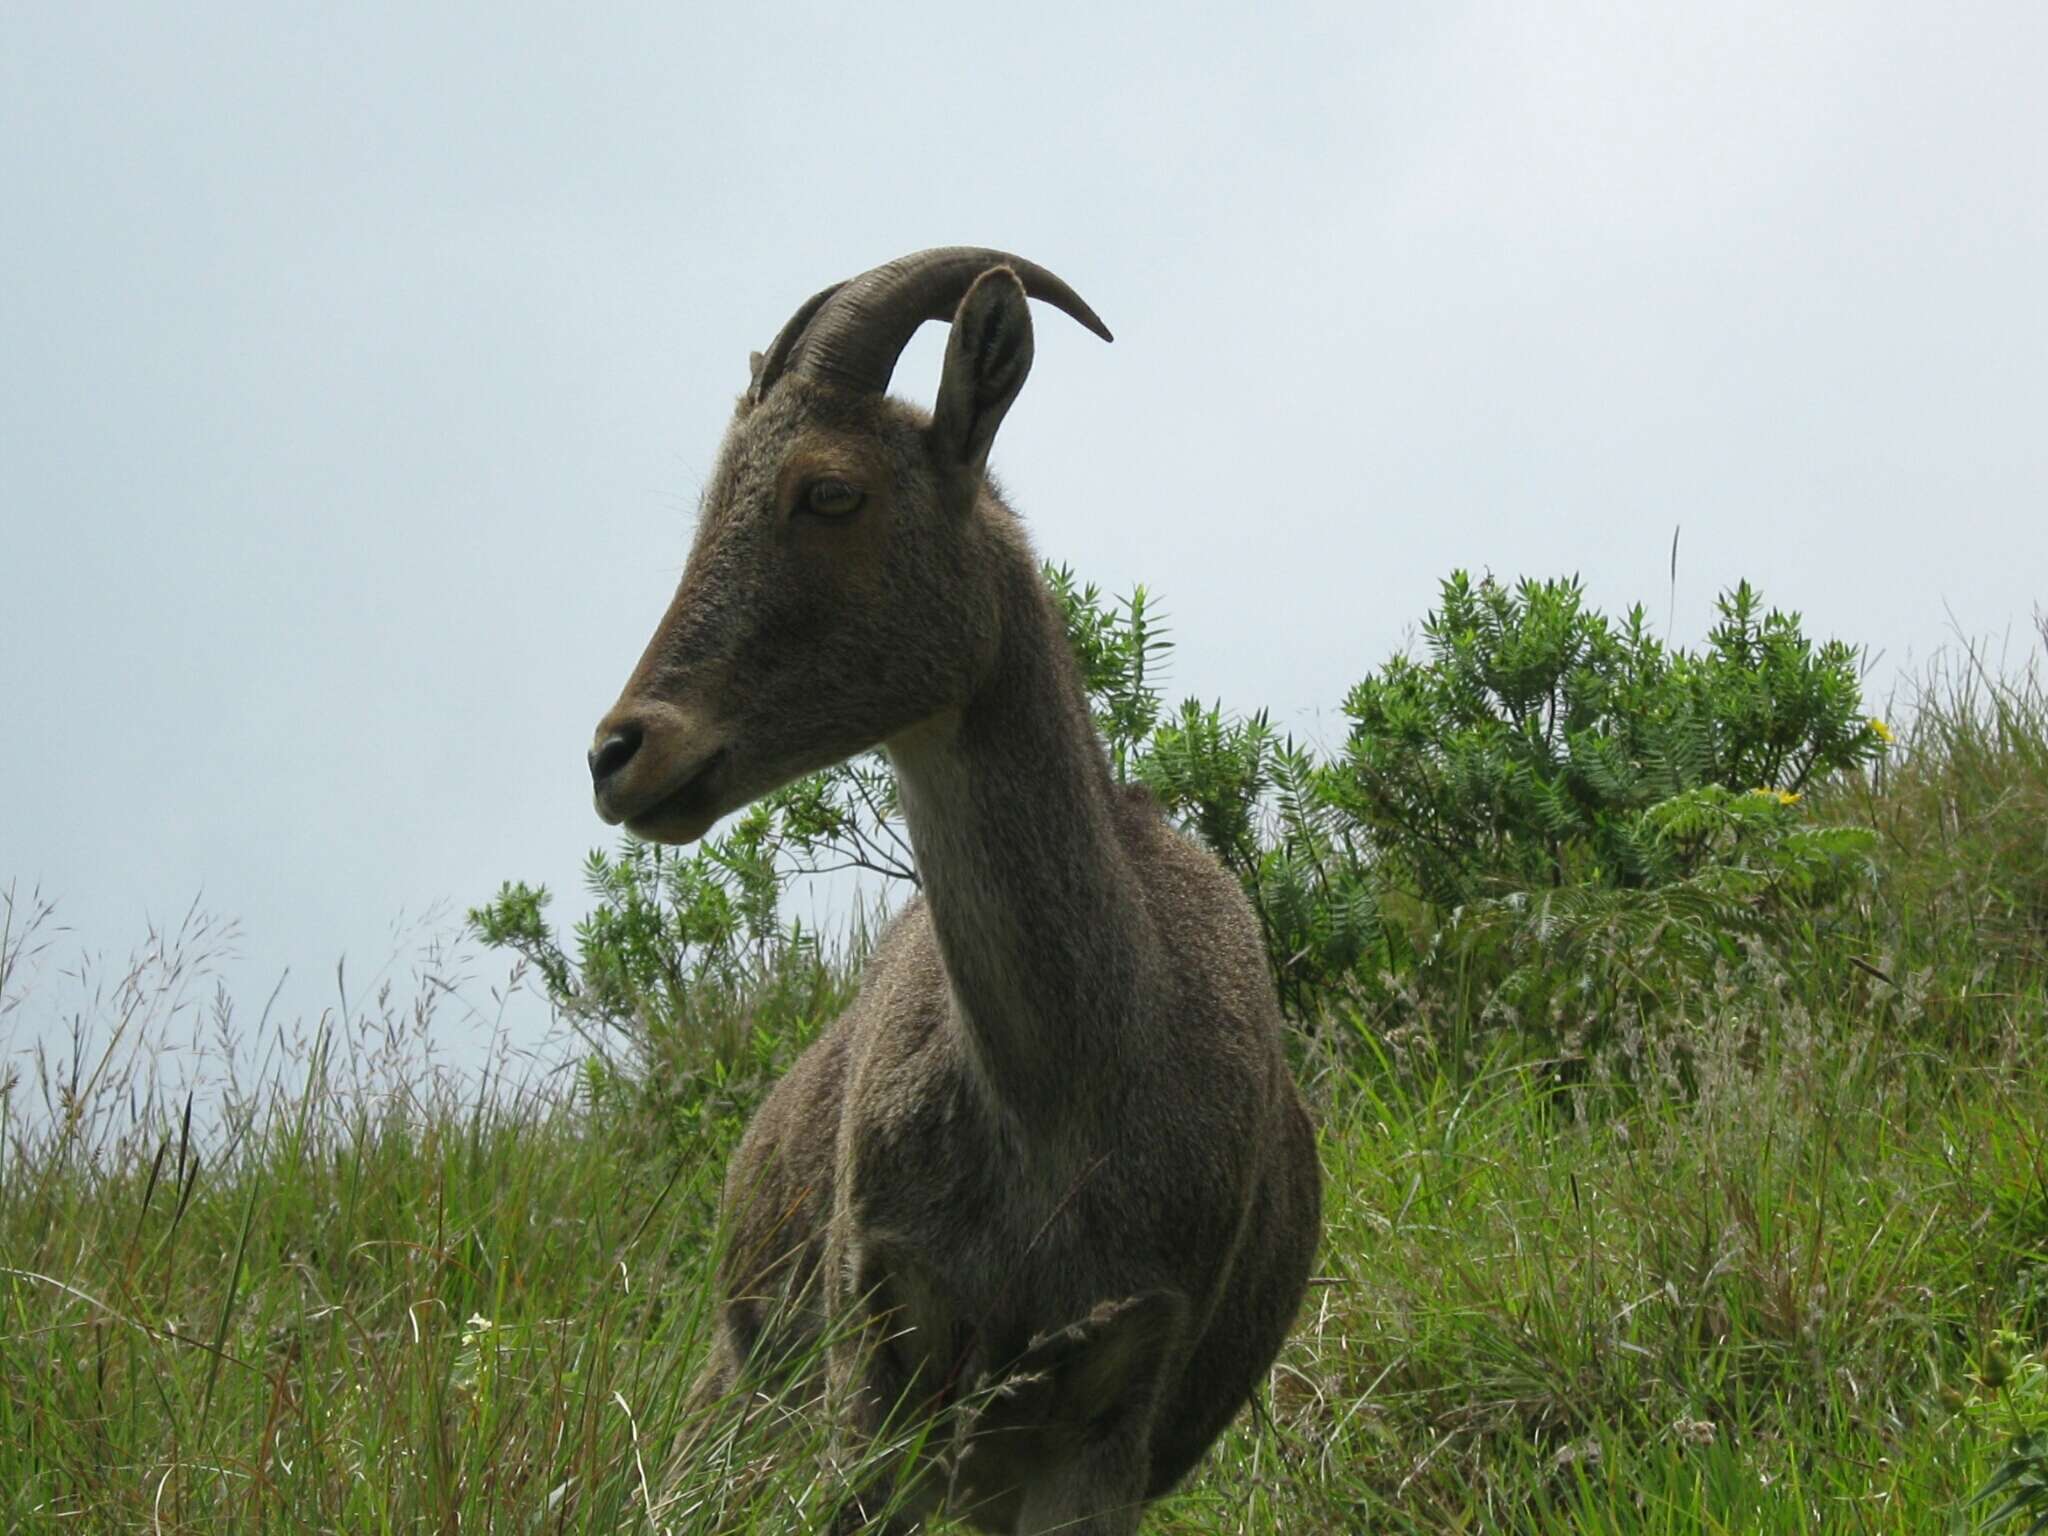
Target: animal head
point(840, 588)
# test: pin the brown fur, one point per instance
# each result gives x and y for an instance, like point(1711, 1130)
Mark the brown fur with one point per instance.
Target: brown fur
point(1054, 1143)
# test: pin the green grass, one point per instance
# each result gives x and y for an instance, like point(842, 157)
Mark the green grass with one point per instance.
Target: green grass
point(1753, 1283)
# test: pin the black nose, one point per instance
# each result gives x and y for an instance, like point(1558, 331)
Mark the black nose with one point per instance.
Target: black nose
point(614, 752)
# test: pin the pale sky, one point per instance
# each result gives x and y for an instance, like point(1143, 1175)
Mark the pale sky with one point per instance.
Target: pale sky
point(359, 368)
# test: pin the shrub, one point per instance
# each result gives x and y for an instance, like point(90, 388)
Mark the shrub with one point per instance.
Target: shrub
point(685, 982)
point(1529, 746)
point(1540, 818)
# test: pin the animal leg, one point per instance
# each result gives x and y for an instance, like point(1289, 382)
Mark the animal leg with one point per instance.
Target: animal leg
point(1072, 1426)
point(852, 1520)
point(870, 1387)
point(1098, 1492)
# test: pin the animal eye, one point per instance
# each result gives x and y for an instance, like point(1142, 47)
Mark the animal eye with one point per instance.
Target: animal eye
point(833, 498)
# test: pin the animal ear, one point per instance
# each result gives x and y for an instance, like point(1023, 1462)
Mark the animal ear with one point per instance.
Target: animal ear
point(987, 358)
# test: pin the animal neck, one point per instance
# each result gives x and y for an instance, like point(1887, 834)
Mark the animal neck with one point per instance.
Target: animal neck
point(1012, 815)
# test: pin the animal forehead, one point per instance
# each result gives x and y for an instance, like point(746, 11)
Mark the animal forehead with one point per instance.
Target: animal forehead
point(749, 486)
point(767, 451)
point(826, 452)
point(800, 407)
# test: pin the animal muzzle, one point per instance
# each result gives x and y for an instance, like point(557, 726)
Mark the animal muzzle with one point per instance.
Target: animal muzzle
point(657, 768)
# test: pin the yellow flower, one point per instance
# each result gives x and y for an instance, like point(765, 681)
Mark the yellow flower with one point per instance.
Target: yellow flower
point(1884, 732)
point(1782, 796)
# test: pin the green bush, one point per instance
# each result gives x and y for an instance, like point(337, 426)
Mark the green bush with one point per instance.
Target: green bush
point(686, 984)
point(1529, 746)
point(1539, 821)
point(1544, 816)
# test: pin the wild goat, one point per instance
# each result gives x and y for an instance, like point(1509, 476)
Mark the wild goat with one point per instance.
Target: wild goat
point(1054, 1144)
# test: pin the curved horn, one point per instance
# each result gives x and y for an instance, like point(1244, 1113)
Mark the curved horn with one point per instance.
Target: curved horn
point(777, 356)
point(859, 329)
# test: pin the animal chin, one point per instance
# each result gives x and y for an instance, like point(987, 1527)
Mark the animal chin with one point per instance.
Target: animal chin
point(686, 813)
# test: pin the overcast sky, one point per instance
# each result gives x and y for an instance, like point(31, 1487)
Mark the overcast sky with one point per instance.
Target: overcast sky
point(359, 367)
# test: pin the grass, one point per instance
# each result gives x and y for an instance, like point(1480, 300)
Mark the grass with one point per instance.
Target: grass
point(1789, 1274)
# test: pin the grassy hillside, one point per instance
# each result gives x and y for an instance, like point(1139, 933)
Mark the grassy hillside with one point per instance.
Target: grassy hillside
point(1773, 1258)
